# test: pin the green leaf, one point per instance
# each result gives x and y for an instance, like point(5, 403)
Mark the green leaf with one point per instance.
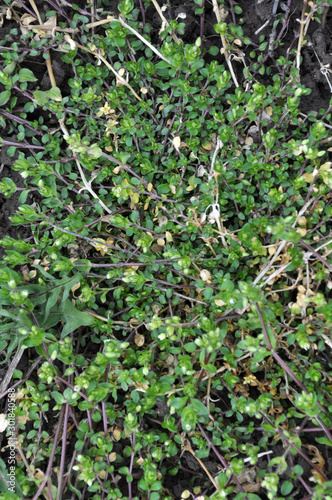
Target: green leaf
point(179, 403)
point(3, 344)
point(9, 69)
point(41, 97)
point(260, 354)
point(55, 94)
point(71, 487)
point(188, 419)
point(51, 301)
point(199, 407)
point(190, 347)
point(286, 487)
point(4, 97)
point(69, 284)
point(324, 440)
point(26, 75)
point(208, 292)
point(73, 318)
point(67, 313)
point(58, 397)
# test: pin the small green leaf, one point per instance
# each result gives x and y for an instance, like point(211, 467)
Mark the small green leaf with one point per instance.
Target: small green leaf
point(324, 440)
point(286, 487)
point(58, 397)
point(55, 94)
point(9, 69)
point(26, 75)
point(199, 408)
point(188, 419)
point(208, 292)
point(4, 97)
point(190, 347)
point(41, 97)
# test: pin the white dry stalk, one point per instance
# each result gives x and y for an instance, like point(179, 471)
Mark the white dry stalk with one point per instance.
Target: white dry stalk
point(324, 69)
point(143, 40)
point(304, 25)
point(119, 78)
point(247, 459)
point(280, 248)
point(218, 148)
point(87, 185)
point(283, 267)
point(215, 214)
point(325, 124)
point(48, 60)
point(12, 367)
point(134, 32)
point(125, 25)
point(276, 273)
point(164, 20)
point(224, 43)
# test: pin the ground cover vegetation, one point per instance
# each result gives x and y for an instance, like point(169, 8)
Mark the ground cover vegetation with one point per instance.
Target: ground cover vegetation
point(165, 303)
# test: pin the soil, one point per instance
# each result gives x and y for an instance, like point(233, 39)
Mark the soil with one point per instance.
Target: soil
point(255, 14)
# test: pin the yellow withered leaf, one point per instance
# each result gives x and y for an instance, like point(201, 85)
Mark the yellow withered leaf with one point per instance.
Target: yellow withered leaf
point(139, 340)
point(207, 145)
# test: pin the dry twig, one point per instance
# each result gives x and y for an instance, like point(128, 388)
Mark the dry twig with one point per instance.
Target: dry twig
point(224, 43)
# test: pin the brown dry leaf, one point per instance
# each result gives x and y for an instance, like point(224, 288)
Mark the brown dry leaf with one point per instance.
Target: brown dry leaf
point(22, 419)
point(76, 287)
point(117, 433)
point(19, 395)
point(205, 275)
point(223, 13)
point(302, 221)
point(141, 387)
point(317, 457)
point(219, 302)
point(272, 250)
point(242, 389)
point(100, 247)
point(310, 177)
point(39, 474)
point(301, 231)
point(207, 145)
point(139, 340)
point(248, 480)
point(27, 19)
point(169, 360)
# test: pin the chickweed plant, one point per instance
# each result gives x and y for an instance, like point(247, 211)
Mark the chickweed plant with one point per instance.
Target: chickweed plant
point(167, 320)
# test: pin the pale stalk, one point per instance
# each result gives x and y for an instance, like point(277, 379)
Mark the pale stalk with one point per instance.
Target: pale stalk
point(224, 43)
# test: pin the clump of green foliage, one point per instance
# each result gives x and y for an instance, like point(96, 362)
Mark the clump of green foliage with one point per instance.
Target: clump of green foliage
point(174, 293)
